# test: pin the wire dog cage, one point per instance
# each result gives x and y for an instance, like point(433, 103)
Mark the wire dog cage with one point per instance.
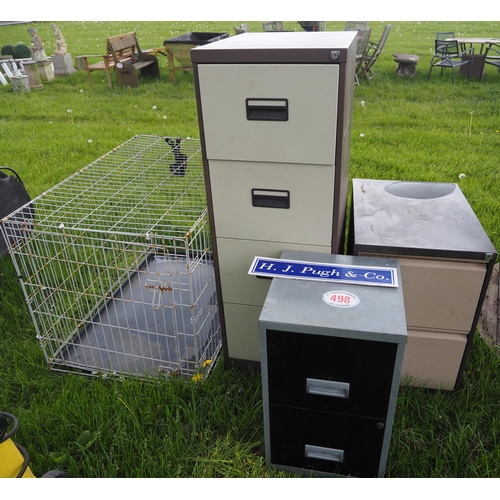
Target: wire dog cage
point(116, 266)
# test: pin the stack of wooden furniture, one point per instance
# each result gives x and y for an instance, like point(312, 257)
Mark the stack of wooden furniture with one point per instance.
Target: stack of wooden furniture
point(124, 54)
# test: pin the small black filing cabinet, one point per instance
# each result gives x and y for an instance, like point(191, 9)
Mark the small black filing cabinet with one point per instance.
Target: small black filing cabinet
point(330, 375)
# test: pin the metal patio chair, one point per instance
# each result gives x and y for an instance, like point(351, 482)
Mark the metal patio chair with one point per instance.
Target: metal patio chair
point(446, 35)
point(448, 55)
point(492, 56)
point(443, 35)
point(355, 24)
point(373, 51)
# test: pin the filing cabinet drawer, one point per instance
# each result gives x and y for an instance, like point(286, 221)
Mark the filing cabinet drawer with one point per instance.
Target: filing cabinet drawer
point(242, 323)
point(326, 442)
point(334, 374)
point(235, 258)
point(433, 359)
point(273, 202)
point(440, 294)
point(300, 102)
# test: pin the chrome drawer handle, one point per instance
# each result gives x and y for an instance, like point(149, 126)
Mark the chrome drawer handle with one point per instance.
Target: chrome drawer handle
point(321, 453)
point(329, 388)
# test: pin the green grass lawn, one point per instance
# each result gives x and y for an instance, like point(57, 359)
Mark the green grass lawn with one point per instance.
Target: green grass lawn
point(402, 129)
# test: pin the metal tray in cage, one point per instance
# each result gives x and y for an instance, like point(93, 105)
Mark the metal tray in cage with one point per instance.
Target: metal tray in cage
point(150, 325)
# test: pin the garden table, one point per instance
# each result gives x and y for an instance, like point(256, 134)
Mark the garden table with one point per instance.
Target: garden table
point(478, 62)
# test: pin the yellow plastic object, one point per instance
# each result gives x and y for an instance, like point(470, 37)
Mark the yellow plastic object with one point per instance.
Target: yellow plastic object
point(12, 461)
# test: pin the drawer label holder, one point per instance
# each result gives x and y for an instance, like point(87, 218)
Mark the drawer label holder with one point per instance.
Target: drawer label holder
point(316, 271)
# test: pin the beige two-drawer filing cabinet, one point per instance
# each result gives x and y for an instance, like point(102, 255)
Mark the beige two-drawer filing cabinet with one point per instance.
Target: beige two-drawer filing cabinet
point(446, 261)
point(274, 113)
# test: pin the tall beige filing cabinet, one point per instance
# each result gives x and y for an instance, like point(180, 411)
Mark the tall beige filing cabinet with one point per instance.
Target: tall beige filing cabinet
point(446, 261)
point(274, 112)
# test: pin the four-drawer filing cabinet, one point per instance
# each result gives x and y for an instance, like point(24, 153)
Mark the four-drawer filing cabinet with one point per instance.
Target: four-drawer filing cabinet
point(446, 262)
point(331, 370)
point(274, 112)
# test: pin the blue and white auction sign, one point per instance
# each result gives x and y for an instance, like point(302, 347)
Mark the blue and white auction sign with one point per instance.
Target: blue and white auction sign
point(295, 269)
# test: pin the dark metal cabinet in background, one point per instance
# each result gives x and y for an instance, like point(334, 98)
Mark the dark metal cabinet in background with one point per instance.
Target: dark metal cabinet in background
point(275, 123)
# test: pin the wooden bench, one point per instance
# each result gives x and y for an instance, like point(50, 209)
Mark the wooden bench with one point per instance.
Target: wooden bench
point(126, 57)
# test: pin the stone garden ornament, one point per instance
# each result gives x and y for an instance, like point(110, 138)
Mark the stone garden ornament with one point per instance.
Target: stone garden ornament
point(37, 46)
point(61, 47)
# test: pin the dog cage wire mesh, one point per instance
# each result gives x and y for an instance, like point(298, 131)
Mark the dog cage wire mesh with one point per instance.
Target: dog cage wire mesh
point(116, 266)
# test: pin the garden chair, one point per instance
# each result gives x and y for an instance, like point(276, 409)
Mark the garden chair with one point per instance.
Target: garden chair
point(244, 28)
point(19, 67)
point(444, 35)
point(355, 24)
point(3, 80)
point(7, 68)
point(362, 39)
point(11, 70)
point(492, 56)
point(373, 50)
point(273, 26)
point(448, 55)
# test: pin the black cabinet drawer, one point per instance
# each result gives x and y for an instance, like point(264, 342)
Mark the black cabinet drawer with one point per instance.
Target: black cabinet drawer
point(325, 442)
point(333, 374)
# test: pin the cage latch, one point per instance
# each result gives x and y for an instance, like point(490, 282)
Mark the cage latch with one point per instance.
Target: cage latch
point(156, 287)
